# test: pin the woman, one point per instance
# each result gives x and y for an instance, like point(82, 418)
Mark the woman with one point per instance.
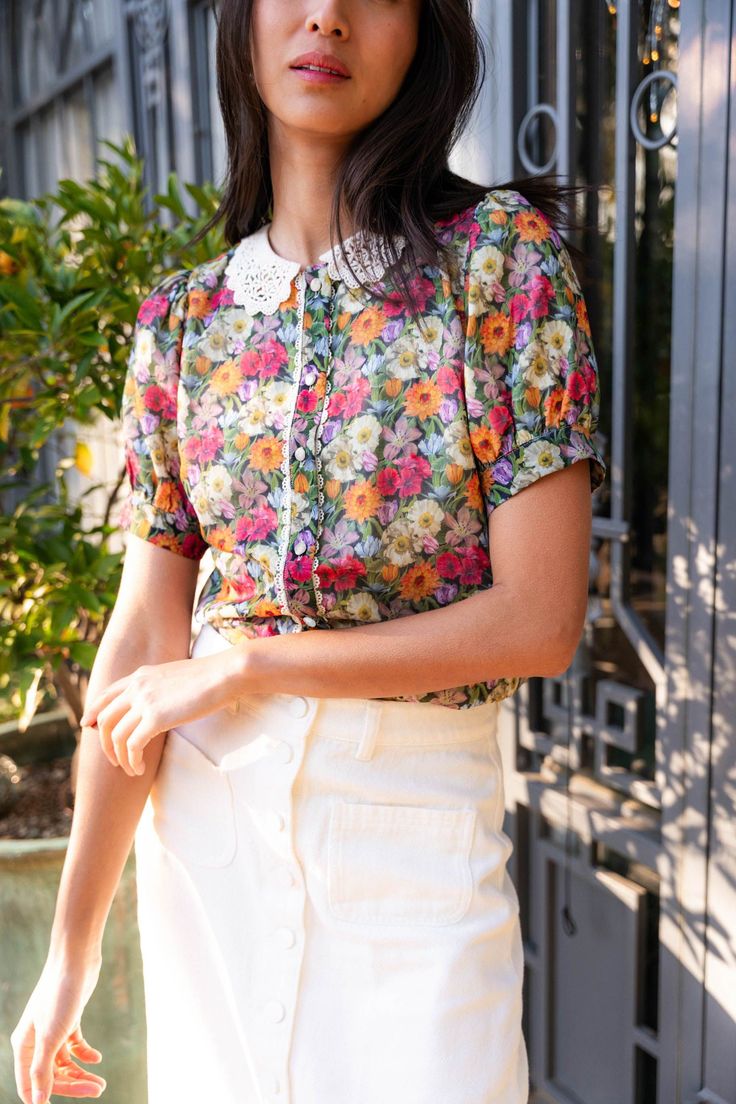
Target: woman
point(325, 909)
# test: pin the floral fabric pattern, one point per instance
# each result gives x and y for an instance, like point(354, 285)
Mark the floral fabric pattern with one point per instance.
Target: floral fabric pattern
point(339, 464)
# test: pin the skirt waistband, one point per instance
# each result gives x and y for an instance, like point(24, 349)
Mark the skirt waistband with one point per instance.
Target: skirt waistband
point(366, 722)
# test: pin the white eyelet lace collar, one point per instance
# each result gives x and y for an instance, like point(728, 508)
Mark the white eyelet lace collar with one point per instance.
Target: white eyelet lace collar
point(260, 279)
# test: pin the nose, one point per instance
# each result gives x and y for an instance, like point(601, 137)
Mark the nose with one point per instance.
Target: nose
point(326, 17)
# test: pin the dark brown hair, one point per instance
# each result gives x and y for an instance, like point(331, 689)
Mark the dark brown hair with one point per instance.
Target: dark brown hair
point(394, 178)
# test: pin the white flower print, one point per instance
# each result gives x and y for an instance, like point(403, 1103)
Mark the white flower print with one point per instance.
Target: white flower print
point(339, 460)
point(362, 607)
point(557, 336)
point(538, 366)
point(398, 544)
point(457, 444)
point(364, 433)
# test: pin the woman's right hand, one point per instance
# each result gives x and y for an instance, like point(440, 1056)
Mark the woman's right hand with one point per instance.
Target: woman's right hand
point(48, 1037)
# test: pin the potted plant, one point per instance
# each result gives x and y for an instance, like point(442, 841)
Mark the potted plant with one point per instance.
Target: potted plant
point(74, 267)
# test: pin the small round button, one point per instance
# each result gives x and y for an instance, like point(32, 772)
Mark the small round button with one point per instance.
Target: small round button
point(286, 937)
point(300, 547)
point(310, 621)
point(315, 284)
point(272, 1083)
point(310, 376)
point(283, 876)
point(283, 751)
point(299, 706)
point(274, 1011)
point(300, 452)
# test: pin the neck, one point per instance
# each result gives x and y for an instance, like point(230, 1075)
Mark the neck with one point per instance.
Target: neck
point(303, 170)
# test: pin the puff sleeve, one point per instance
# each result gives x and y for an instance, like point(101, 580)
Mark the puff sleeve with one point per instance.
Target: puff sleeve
point(157, 507)
point(531, 380)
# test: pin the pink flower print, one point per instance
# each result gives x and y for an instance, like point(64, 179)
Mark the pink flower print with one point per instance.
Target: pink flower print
point(387, 481)
point(257, 525)
point(474, 561)
point(411, 473)
point(152, 308)
point(307, 401)
point(347, 572)
point(204, 447)
point(577, 386)
point(541, 293)
point(448, 565)
point(448, 379)
point(251, 363)
point(159, 401)
point(356, 395)
point(274, 357)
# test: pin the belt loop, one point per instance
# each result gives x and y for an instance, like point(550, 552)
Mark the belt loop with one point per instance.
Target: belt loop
point(371, 721)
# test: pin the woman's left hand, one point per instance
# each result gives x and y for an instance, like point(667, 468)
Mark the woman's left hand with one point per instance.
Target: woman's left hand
point(131, 711)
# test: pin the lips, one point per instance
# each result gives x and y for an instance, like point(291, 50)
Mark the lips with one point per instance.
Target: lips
point(324, 61)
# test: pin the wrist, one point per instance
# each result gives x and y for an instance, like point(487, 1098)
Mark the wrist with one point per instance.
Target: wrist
point(69, 952)
point(244, 672)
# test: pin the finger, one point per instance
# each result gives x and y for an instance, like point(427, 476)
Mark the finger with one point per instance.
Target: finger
point(108, 723)
point(83, 1050)
point(22, 1056)
point(95, 705)
point(42, 1070)
point(76, 1088)
point(121, 734)
point(75, 1075)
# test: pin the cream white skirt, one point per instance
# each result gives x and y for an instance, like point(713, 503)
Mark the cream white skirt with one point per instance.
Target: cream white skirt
point(325, 910)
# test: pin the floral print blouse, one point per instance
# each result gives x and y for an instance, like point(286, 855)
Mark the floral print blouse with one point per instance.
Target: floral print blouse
point(339, 464)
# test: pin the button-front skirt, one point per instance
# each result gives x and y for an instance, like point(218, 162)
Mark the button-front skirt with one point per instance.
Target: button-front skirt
point(325, 910)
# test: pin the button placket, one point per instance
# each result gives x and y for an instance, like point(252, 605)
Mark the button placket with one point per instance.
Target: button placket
point(308, 543)
point(281, 950)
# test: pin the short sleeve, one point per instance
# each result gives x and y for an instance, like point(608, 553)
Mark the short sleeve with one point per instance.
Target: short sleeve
point(531, 379)
point(157, 507)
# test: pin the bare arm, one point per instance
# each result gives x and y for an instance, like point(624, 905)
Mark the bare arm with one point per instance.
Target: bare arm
point(528, 623)
point(151, 623)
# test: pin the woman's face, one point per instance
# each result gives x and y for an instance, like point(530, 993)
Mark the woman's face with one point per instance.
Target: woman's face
point(374, 39)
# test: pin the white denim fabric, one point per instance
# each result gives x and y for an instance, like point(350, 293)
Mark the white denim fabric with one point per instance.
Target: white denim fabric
point(325, 910)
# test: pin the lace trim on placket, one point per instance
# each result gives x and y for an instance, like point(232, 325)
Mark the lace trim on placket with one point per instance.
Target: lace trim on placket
point(286, 461)
point(320, 494)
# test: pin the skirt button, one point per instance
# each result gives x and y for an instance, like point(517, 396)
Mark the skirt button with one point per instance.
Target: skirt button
point(286, 937)
point(284, 751)
point(299, 706)
point(300, 452)
point(274, 1011)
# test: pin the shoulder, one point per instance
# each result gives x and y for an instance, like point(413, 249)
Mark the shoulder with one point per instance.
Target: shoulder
point(182, 293)
point(506, 219)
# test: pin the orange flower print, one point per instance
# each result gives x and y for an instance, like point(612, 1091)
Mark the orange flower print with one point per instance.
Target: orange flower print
point(533, 397)
point(266, 454)
point(532, 226)
point(362, 501)
point(167, 497)
point(581, 312)
point(486, 443)
point(367, 326)
point(553, 407)
point(226, 379)
point(497, 333)
point(419, 581)
point(222, 537)
point(199, 303)
point(423, 399)
point(473, 495)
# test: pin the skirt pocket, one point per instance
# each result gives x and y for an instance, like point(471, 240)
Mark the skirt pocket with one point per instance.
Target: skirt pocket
point(399, 864)
point(192, 804)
